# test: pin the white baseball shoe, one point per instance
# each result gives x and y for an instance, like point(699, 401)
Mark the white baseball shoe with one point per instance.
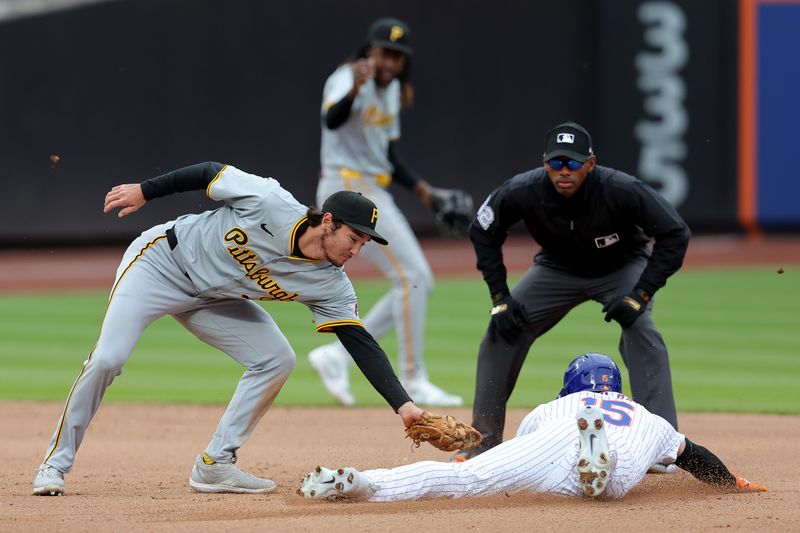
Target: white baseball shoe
point(344, 483)
point(331, 363)
point(210, 476)
point(594, 461)
point(49, 481)
point(423, 392)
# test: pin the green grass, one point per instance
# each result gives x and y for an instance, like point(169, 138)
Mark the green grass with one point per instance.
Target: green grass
point(733, 336)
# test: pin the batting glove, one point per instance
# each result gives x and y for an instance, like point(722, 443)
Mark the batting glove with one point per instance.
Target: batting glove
point(627, 309)
point(508, 319)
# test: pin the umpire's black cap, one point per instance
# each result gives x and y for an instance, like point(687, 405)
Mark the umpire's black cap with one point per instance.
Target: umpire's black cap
point(355, 210)
point(569, 139)
point(390, 33)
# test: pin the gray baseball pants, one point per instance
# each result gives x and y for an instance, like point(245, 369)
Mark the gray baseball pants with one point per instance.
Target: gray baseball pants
point(548, 295)
point(151, 283)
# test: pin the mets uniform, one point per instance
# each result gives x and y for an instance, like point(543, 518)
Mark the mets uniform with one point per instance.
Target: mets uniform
point(541, 458)
point(355, 156)
point(208, 270)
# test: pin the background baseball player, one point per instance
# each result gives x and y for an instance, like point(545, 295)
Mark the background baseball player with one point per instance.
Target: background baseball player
point(594, 225)
point(207, 270)
point(361, 107)
point(608, 451)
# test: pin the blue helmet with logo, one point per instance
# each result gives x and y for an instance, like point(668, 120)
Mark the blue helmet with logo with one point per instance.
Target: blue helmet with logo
point(591, 371)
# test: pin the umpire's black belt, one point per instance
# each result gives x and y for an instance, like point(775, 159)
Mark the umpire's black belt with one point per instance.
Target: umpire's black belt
point(171, 238)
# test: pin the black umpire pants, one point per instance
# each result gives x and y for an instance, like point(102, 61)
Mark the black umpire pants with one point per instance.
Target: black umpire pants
point(548, 295)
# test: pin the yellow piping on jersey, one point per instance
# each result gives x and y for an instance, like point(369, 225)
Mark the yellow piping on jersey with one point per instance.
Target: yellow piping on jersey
point(327, 327)
point(208, 189)
point(292, 243)
point(88, 359)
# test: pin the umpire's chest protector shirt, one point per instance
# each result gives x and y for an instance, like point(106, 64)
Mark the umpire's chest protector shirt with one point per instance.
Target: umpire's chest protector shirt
point(244, 250)
point(609, 220)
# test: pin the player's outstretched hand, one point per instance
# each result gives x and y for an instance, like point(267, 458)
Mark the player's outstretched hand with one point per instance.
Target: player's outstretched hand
point(128, 196)
point(410, 413)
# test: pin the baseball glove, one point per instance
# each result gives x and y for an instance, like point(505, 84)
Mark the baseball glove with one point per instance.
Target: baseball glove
point(444, 432)
point(453, 211)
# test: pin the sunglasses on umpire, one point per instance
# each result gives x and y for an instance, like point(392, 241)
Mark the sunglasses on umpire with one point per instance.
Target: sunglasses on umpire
point(558, 164)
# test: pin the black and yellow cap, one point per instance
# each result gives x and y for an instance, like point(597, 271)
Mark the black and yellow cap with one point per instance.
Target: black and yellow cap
point(355, 210)
point(390, 33)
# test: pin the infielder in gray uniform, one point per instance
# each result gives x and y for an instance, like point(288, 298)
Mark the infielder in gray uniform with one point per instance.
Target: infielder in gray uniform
point(591, 440)
point(208, 270)
point(361, 107)
point(594, 225)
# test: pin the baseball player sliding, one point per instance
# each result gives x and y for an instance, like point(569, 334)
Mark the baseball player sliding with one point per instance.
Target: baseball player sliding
point(207, 270)
point(361, 107)
point(591, 440)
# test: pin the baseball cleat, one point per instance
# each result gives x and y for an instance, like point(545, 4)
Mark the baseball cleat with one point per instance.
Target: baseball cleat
point(744, 485)
point(343, 483)
point(211, 476)
point(594, 461)
point(423, 392)
point(331, 365)
point(49, 481)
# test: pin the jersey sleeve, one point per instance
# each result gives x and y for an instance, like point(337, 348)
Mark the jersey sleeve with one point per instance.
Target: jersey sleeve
point(340, 308)
point(338, 85)
point(242, 191)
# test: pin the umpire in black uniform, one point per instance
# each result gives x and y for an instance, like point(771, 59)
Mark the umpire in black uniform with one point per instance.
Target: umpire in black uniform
point(594, 225)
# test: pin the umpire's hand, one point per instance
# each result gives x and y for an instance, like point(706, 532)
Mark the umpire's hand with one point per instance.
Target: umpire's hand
point(628, 308)
point(508, 319)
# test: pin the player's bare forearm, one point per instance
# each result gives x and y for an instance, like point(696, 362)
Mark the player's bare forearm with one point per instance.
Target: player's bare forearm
point(128, 196)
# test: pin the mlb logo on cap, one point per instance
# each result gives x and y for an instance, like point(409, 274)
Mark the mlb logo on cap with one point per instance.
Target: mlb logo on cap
point(565, 138)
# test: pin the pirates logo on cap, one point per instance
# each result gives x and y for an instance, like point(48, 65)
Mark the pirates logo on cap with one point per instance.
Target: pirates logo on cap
point(396, 34)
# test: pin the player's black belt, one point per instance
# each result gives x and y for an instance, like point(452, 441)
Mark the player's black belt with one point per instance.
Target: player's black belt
point(171, 238)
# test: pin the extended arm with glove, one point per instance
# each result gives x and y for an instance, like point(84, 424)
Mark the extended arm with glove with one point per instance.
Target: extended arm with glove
point(444, 432)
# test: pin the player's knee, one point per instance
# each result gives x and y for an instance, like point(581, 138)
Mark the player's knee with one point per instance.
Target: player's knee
point(105, 363)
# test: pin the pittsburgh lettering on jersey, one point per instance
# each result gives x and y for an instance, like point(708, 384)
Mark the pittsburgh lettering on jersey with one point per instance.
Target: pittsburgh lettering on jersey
point(250, 262)
point(373, 117)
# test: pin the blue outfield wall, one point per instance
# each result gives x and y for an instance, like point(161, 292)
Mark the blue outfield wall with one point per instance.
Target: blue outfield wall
point(778, 115)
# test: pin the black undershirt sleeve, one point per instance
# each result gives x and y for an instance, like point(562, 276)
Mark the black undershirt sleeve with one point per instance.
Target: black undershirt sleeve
point(338, 113)
point(704, 465)
point(374, 364)
point(403, 174)
point(191, 178)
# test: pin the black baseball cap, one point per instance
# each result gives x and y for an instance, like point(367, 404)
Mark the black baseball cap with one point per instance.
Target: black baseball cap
point(390, 33)
point(355, 210)
point(569, 139)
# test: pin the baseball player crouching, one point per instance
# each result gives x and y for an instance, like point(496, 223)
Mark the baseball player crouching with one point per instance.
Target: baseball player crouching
point(591, 440)
point(207, 270)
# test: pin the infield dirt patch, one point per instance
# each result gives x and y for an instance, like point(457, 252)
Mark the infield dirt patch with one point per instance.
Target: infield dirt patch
point(132, 470)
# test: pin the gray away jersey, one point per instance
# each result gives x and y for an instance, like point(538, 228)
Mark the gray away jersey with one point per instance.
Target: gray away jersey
point(243, 250)
point(362, 142)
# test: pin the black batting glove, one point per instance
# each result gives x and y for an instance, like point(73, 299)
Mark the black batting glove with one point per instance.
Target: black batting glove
point(508, 319)
point(627, 309)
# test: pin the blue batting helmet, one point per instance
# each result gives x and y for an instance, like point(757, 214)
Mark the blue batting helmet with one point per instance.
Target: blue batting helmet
point(591, 371)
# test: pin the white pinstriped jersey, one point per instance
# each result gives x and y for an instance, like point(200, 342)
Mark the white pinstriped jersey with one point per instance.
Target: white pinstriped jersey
point(362, 142)
point(244, 250)
point(543, 455)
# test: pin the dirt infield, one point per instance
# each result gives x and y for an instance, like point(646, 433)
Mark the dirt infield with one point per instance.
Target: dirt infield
point(132, 470)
